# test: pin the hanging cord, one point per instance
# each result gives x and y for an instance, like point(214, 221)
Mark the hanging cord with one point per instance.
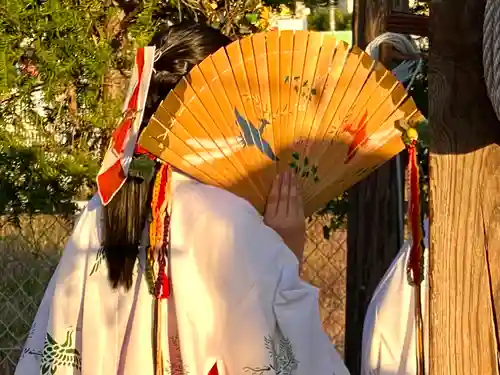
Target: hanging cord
point(399, 167)
point(159, 243)
point(491, 52)
point(400, 43)
point(408, 71)
point(415, 215)
point(415, 269)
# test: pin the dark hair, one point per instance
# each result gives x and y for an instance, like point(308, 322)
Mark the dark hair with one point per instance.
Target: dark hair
point(179, 48)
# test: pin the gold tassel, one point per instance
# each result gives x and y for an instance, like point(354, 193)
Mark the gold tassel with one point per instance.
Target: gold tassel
point(415, 262)
point(158, 357)
point(159, 242)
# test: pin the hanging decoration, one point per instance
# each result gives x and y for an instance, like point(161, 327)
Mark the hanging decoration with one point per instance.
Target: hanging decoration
point(415, 263)
point(157, 256)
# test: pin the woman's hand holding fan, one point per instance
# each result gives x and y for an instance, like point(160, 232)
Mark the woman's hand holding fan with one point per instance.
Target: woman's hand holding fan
point(285, 212)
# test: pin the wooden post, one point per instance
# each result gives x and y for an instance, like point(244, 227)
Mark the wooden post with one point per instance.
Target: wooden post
point(373, 239)
point(407, 23)
point(465, 196)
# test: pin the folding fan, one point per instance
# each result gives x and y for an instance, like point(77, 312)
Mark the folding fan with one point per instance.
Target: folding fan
point(280, 100)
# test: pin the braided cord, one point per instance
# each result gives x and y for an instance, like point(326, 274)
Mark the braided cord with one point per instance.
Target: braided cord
point(491, 52)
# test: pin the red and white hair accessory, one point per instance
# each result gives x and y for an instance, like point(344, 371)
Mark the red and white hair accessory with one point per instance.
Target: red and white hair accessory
point(116, 163)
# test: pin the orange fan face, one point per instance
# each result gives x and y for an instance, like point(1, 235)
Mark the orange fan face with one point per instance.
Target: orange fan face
point(275, 101)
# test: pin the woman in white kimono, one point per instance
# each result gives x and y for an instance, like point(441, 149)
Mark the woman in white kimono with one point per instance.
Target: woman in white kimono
point(237, 304)
point(389, 331)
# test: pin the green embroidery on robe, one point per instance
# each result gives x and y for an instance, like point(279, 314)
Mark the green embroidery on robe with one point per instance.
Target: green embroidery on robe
point(175, 365)
point(98, 260)
point(28, 350)
point(282, 358)
point(56, 355)
point(149, 274)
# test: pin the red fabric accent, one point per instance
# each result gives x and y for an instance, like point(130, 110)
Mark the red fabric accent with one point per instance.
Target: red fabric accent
point(142, 151)
point(110, 181)
point(415, 216)
point(165, 288)
point(139, 60)
point(360, 136)
point(162, 285)
point(214, 370)
point(163, 187)
point(121, 133)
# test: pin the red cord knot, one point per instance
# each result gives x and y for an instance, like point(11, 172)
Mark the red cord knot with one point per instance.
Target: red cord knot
point(162, 285)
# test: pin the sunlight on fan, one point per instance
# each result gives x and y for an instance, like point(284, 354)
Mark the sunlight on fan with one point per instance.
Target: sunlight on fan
point(281, 100)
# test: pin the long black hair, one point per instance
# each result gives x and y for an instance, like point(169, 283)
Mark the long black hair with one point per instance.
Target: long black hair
point(178, 49)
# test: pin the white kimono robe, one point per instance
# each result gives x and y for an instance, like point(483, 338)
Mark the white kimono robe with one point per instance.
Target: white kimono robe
point(239, 301)
point(389, 337)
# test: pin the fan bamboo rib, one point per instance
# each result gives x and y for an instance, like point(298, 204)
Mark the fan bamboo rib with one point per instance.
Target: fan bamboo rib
point(278, 101)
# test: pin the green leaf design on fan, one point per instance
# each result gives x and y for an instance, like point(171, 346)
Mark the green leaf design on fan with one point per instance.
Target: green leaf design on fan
point(303, 167)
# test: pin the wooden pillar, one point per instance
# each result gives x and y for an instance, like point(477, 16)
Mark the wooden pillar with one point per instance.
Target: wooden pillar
point(373, 239)
point(373, 243)
point(465, 196)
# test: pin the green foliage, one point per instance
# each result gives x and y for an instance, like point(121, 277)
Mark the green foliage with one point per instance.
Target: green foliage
point(64, 75)
point(319, 20)
point(421, 7)
point(64, 71)
point(35, 180)
point(336, 211)
point(65, 66)
point(419, 90)
point(318, 3)
point(276, 3)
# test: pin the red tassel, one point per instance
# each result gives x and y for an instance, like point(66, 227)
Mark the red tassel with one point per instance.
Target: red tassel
point(415, 216)
point(415, 261)
point(142, 151)
point(214, 370)
point(163, 187)
point(162, 285)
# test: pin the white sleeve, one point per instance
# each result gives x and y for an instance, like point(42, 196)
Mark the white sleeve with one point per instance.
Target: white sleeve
point(54, 310)
point(298, 318)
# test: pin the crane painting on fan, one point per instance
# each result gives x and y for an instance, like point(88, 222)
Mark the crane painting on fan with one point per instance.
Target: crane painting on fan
point(302, 101)
point(251, 136)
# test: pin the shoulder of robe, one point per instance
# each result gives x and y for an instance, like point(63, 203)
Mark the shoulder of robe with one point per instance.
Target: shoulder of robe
point(205, 209)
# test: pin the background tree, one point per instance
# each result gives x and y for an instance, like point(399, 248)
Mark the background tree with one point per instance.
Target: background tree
point(64, 71)
point(319, 20)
